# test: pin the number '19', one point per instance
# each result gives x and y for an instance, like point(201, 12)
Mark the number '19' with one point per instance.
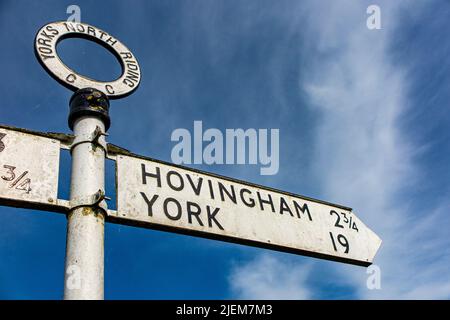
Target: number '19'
point(342, 240)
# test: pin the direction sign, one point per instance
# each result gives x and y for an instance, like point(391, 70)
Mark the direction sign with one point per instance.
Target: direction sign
point(28, 169)
point(164, 196)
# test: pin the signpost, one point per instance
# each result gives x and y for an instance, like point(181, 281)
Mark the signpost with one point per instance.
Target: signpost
point(89, 119)
point(151, 193)
point(164, 196)
point(29, 166)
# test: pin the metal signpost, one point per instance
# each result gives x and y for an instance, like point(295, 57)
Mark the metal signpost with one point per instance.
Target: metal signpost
point(89, 120)
point(29, 166)
point(151, 193)
point(160, 195)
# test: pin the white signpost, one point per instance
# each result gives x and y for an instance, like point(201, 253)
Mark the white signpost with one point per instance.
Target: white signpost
point(164, 196)
point(29, 166)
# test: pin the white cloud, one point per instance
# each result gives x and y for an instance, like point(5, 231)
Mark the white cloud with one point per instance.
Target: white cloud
point(266, 277)
point(363, 157)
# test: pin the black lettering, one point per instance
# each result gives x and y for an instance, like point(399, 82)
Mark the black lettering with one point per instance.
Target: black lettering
point(69, 27)
point(284, 207)
point(10, 172)
point(52, 30)
point(45, 50)
point(109, 89)
point(45, 42)
point(48, 36)
point(166, 211)
point(128, 82)
point(80, 28)
point(303, 209)
point(71, 78)
point(91, 31)
point(231, 196)
point(145, 174)
point(102, 34)
point(211, 190)
point(126, 55)
point(45, 57)
point(195, 188)
point(190, 210)
point(149, 203)
point(132, 76)
point(132, 66)
point(2, 145)
point(169, 181)
point(251, 202)
point(111, 41)
point(212, 217)
point(262, 202)
point(338, 220)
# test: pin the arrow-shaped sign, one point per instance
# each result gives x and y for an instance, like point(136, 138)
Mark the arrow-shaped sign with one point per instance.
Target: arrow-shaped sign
point(164, 196)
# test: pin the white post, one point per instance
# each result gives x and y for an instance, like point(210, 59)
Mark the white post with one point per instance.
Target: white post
point(84, 269)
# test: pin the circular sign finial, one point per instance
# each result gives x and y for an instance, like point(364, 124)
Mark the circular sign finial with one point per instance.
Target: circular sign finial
point(45, 44)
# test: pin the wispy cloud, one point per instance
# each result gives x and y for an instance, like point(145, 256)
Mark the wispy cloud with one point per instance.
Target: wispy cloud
point(266, 277)
point(363, 157)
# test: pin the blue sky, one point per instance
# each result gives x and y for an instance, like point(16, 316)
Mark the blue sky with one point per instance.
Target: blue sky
point(363, 118)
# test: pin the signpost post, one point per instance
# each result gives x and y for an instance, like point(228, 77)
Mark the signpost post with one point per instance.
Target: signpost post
point(89, 119)
point(151, 193)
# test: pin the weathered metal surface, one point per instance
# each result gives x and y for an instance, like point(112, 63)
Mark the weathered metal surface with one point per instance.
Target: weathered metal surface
point(163, 196)
point(29, 166)
point(47, 39)
point(65, 139)
point(86, 219)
